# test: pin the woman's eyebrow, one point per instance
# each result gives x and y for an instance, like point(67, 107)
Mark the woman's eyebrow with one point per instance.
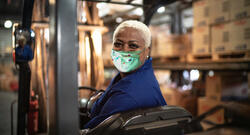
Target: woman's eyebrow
point(119, 40)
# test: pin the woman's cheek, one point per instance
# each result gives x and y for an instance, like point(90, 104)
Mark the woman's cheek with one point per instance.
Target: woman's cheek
point(142, 57)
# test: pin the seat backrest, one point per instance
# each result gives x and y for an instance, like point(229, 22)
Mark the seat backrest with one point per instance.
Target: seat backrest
point(149, 121)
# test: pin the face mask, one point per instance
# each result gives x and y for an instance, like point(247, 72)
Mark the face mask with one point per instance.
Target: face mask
point(126, 61)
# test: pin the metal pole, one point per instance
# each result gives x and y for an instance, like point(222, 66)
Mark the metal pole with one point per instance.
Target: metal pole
point(119, 3)
point(62, 74)
point(23, 96)
point(11, 116)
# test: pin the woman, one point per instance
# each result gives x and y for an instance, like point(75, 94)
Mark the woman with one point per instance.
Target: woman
point(24, 51)
point(135, 86)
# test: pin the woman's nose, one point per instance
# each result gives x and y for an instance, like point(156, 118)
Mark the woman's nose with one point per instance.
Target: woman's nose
point(125, 48)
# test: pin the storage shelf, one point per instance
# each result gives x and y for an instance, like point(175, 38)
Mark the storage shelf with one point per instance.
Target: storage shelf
point(199, 65)
point(204, 66)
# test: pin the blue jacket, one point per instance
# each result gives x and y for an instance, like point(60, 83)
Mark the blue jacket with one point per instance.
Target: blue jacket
point(24, 54)
point(137, 90)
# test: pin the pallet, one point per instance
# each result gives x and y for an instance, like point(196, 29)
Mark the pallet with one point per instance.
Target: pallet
point(199, 57)
point(240, 56)
point(172, 58)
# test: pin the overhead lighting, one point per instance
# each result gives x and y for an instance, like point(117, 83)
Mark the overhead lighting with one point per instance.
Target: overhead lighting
point(101, 5)
point(32, 33)
point(139, 11)
point(185, 74)
point(194, 75)
point(7, 24)
point(211, 73)
point(161, 9)
point(103, 9)
point(118, 19)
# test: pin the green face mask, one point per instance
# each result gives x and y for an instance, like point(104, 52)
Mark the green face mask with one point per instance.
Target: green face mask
point(126, 61)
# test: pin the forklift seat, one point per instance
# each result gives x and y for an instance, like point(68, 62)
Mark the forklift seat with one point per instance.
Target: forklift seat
point(161, 120)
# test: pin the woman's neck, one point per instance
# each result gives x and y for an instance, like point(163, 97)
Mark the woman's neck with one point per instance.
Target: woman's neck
point(123, 75)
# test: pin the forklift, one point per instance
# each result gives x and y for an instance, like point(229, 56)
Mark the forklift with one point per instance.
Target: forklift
point(67, 113)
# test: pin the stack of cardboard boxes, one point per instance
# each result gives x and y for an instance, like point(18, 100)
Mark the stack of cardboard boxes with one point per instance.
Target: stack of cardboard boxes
point(201, 31)
point(172, 45)
point(8, 81)
point(221, 26)
point(220, 89)
point(179, 97)
point(164, 44)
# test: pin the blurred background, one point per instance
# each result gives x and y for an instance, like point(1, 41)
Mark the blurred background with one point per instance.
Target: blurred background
point(200, 51)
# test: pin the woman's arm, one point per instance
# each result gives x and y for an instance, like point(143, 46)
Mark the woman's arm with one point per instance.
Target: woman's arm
point(118, 102)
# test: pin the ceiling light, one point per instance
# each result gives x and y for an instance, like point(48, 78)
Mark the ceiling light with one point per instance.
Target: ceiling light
point(211, 73)
point(161, 9)
point(185, 74)
point(139, 11)
point(194, 75)
point(118, 19)
point(101, 5)
point(32, 33)
point(7, 24)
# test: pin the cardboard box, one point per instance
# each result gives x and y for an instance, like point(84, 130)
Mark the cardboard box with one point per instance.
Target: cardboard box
point(220, 11)
point(201, 11)
point(239, 9)
point(170, 45)
point(220, 38)
point(157, 32)
point(186, 40)
point(205, 104)
point(240, 35)
point(170, 95)
point(185, 99)
point(154, 50)
point(227, 87)
point(201, 40)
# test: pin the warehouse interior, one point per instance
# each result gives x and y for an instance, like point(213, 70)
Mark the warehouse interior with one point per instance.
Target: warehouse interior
point(200, 51)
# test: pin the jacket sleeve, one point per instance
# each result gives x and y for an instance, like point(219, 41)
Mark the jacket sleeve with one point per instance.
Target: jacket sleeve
point(118, 102)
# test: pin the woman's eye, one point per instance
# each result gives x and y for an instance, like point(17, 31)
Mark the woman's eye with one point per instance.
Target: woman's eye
point(133, 46)
point(117, 44)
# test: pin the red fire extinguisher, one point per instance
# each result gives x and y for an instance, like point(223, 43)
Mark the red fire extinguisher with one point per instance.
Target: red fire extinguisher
point(14, 55)
point(33, 114)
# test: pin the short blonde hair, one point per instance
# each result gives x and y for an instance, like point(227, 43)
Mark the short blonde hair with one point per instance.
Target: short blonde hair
point(141, 27)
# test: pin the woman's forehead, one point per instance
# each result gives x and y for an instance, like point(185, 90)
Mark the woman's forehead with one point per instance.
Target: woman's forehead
point(128, 33)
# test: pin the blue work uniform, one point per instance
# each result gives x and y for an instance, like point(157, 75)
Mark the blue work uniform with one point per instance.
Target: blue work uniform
point(137, 90)
point(24, 54)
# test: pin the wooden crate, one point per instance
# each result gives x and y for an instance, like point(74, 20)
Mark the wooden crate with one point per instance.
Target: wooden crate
point(240, 56)
point(199, 57)
point(170, 58)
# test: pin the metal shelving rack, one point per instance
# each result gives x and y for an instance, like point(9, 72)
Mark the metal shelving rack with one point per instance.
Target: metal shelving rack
point(204, 66)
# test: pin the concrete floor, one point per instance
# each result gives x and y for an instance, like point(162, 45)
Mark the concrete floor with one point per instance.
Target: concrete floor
point(6, 98)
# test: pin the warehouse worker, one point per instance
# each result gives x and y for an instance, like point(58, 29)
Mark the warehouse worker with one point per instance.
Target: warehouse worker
point(23, 51)
point(135, 86)
point(23, 54)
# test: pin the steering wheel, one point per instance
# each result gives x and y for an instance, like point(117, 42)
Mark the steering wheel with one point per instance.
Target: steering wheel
point(85, 104)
